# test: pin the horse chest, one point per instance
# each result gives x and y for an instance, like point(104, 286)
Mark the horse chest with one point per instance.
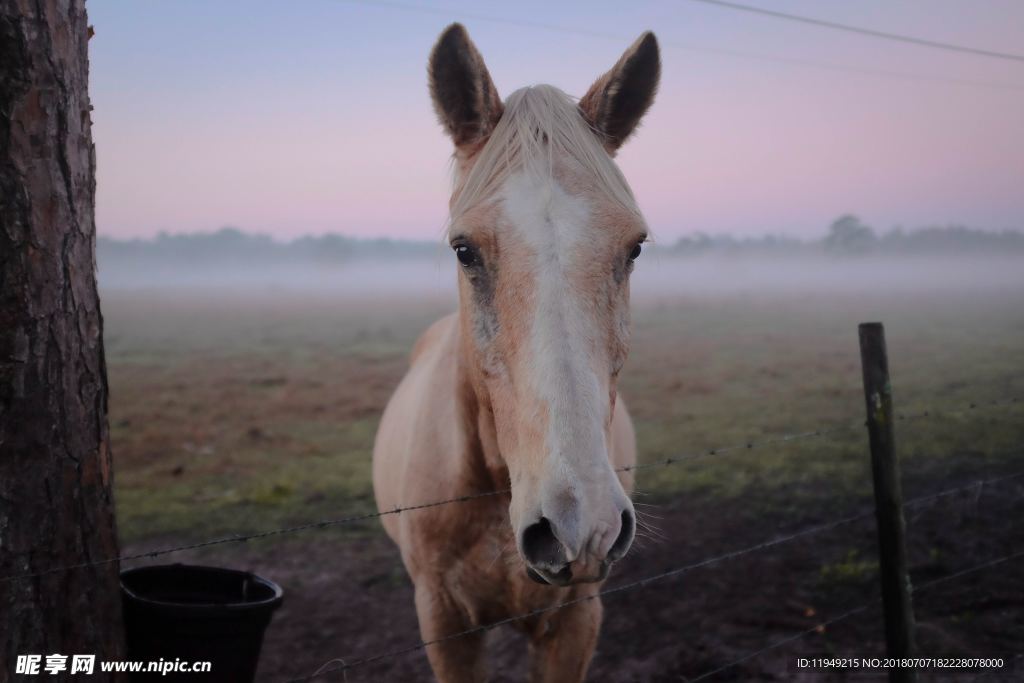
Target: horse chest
point(487, 577)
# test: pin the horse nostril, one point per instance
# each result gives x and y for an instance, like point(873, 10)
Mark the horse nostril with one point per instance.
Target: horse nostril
point(540, 547)
point(625, 538)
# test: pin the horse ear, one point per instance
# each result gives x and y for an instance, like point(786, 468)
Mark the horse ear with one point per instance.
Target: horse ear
point(464, 95)
point(618, 100)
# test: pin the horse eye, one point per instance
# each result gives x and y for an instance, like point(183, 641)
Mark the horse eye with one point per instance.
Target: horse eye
point(465, 254)
point(635, 254)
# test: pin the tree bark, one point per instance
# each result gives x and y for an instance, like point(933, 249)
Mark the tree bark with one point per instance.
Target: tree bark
point(56, 502)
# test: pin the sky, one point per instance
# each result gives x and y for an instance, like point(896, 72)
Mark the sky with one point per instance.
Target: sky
point(311, 116)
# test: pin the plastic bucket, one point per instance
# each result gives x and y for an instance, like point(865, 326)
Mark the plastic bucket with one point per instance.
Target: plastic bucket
point(182, 614)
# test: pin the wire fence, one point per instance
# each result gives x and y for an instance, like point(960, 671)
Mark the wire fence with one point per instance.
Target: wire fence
point(820, 626)
point(343, 666)
point(364, 517)
point(340, 665)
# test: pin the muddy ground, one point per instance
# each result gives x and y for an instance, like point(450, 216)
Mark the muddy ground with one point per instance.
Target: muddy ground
point(349, 598)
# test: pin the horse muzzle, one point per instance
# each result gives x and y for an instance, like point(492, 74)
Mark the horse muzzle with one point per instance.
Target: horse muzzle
point(548, 559)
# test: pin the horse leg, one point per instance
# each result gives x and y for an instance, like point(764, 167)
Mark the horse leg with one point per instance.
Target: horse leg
point(563, 652)
point(459, 660)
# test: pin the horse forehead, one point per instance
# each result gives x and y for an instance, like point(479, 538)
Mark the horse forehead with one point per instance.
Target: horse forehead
point(540, 210)
point(562, 208)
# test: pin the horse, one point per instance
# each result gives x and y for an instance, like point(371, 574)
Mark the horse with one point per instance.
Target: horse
point(515, 393)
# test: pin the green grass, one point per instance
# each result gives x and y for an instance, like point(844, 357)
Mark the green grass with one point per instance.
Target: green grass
point(851, 569)
point(234, 413)
point(317, 472)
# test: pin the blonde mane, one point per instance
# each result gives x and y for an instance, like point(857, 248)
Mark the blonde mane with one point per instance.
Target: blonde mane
point(540, 124)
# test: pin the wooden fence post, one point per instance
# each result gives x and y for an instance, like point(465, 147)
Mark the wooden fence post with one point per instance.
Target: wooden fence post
point(892, 549)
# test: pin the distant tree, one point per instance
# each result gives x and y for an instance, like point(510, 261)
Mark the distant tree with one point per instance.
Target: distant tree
point(848, 235)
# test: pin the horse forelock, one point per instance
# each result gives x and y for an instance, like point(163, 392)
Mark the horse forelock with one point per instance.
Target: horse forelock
point(541, 130)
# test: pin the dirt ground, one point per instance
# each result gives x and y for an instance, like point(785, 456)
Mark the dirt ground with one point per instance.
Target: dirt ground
point(349, 598)
point(238, 414)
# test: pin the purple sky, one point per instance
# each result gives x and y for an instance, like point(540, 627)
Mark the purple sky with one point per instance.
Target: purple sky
point(312, 116)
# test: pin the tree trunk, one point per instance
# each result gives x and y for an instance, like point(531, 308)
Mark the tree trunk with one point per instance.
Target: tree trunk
point(56, 505)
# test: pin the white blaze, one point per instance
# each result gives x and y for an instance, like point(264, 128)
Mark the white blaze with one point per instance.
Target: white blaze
point(555, 226)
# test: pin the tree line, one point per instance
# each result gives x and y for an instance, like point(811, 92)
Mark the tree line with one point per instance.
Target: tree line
point(847, 236)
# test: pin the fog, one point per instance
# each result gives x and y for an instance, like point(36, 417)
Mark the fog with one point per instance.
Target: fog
point(657, 273)
point(817, 273)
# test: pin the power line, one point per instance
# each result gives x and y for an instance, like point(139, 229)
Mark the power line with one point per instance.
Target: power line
point(450, 14)
point(866, 31)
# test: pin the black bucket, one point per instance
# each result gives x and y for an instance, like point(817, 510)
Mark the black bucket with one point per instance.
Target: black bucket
point(184, 614)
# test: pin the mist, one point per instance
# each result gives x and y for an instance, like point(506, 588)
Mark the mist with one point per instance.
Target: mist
point(659, 272)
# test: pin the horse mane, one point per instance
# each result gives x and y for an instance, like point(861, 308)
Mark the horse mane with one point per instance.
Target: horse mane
point(540, 125)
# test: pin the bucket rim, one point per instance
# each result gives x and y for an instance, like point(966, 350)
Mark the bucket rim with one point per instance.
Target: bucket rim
point(272, 602)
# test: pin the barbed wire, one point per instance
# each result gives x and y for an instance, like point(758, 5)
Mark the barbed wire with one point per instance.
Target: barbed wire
point(640, 583)
point(353, 519)
point(827, 431)
point(927, 585)
point(744, 446)
point(977, 484)
point(817, 628)
point(241, 538)
point(971, 406)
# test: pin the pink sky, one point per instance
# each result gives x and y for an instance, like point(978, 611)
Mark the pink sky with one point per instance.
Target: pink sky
point(308, 117)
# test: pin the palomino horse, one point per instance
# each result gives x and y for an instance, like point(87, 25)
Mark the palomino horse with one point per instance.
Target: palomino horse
point(517, 390)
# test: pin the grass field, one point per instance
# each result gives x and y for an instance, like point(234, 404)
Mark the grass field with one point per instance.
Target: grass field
point(235, 412)
point(239, 411)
